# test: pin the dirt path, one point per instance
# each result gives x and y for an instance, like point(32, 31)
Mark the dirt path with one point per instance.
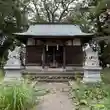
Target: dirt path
point(57, 99)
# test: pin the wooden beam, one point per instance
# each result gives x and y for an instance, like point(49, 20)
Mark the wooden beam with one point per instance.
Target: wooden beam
point(64, 56)
point(43, 59)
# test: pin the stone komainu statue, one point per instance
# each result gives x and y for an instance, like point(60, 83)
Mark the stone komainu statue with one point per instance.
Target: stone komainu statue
point(22, 55)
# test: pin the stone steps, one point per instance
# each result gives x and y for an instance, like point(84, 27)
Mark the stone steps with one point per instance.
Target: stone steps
point(51, 76)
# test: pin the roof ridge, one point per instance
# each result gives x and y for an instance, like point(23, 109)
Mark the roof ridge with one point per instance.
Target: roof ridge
point(54, 24)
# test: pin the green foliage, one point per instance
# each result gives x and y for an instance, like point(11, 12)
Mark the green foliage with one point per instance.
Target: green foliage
point(11, 18)
point(11, 21)
point(99, 7)
point(106, 54)
point(105, 74)
point(78, 77)
point(92, 96)
point(18, 95)
point(94, 16)
point(1, 74)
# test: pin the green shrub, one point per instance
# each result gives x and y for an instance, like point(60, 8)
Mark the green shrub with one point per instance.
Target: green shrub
point(93, 96)
point(1, 74)
point(17, 95)
point(105, 74)
point(78, 77)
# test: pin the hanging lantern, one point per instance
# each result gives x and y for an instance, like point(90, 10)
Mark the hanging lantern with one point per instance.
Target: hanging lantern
point(57, 47)
point(46, 47)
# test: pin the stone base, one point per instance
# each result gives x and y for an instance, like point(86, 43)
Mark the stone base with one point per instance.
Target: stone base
point(92, 74)
point(12, 74)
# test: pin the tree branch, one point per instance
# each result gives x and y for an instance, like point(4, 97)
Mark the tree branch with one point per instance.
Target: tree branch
point(37, 11)
point(47, 11)
point(53, 12)
point(65, 9)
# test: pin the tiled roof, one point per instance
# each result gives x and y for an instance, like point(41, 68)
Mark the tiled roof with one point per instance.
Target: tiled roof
point(54, 30)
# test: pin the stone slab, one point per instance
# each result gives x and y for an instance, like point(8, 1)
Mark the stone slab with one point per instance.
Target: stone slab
point(12, 67)
point(96, 68)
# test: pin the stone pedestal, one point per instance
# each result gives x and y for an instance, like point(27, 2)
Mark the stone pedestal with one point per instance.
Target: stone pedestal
point(12, 73)
point(13, 65)
point(92, 74)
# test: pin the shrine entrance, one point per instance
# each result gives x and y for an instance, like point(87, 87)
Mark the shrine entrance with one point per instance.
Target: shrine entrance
point(54, 56)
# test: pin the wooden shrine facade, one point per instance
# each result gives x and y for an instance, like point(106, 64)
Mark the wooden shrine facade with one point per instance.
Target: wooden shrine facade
point(54, 53)
point(54, 45)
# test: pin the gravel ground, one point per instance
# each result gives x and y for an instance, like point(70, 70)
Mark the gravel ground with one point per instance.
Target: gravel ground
point(57, 99)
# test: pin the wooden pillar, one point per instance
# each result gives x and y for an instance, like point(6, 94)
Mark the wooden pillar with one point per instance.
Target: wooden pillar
point(64, 57)
point(43, 57)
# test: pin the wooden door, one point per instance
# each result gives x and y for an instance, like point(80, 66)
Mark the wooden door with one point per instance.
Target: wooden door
point(54, 56)
point(34, 55)
point(74, 55)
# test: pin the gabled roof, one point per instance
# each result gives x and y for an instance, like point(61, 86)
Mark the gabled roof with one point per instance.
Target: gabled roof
point(54, 30)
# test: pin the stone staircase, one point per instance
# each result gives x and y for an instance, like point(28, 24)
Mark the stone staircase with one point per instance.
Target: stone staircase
point(51, 75)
